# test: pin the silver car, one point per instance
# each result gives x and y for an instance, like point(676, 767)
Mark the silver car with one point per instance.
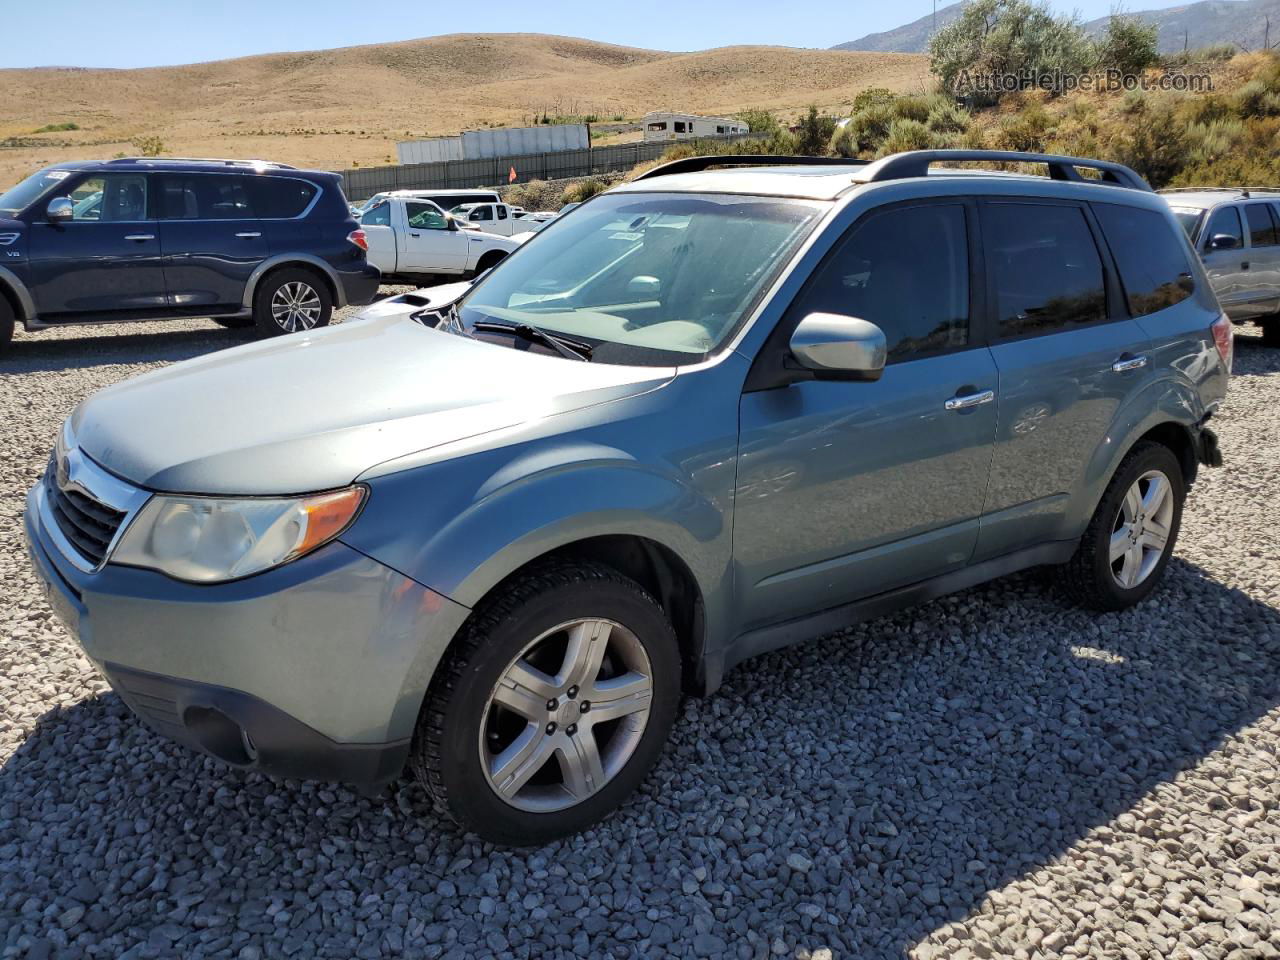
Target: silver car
point(494, 530)
point(1236, 231)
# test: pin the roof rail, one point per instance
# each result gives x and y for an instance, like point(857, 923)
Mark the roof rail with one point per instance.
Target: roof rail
point(222, 160)
point(696, 164)
point(1243, 191)
point(916, 163)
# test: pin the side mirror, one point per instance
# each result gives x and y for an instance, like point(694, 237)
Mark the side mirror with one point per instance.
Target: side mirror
point(451, 223)
point(1223, 241)
point(836, 347)
point(645, 286)
point(60, 209)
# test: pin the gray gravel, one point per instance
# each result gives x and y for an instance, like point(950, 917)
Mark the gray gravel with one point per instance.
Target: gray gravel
point(991, 775)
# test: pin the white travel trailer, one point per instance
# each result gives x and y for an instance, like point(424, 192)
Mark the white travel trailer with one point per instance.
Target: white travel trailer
point(683, 126)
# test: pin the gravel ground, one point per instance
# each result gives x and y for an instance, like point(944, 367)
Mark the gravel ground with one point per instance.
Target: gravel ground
point(991, 775)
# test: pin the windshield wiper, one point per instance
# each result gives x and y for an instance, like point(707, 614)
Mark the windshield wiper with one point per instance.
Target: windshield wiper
point(571, 349)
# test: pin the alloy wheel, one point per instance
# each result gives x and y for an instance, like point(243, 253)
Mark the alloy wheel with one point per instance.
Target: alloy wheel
point(1140, 534)
point(295, 306)
point(566, 715)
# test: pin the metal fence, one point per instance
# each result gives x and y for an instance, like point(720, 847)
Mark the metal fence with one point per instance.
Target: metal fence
point(361, 184)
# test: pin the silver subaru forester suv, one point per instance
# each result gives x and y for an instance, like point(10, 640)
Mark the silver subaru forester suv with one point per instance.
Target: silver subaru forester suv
point(494, 530)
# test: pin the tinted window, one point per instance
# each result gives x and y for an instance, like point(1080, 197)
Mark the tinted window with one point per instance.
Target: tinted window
point(1151, 258)
point(121, 198)
point(1262, 230)
point(280, 197)
point(1048, 275)
point(204, 197)
point(1225, 220)
point(907, 271)
point(379, 216)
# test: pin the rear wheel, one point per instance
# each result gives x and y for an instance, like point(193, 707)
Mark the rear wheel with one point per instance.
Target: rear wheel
point(292, 300)
point(6, 323)
point(553, 706)
point(1127, 545)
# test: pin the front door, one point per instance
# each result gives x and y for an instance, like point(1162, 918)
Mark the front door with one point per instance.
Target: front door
point(211, 240)
point(1228, 269)
point(429, 245)
point(106, 260)
point(846, 490)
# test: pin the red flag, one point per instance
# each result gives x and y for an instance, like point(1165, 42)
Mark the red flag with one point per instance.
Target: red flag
point(511, 177)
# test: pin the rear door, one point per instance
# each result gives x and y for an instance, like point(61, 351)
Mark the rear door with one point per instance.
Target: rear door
point(106, 260)
point(1069, 357)
point(844, 489)
point(1264, 256)
point(211, 239)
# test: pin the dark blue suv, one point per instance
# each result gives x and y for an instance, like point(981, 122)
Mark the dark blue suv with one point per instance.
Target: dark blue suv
point(244, 242)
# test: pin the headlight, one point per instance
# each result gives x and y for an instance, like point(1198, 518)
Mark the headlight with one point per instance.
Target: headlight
point(209, 539)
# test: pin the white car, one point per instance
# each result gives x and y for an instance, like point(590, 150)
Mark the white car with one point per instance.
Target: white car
point(414, 238)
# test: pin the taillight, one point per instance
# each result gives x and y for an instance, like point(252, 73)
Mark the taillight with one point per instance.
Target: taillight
point(359, 238)
point(1222, 339)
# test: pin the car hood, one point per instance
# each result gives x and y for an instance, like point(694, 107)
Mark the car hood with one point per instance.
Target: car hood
point(311, 412)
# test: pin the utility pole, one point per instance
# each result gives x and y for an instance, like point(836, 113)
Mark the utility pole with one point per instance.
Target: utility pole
point(935, 16)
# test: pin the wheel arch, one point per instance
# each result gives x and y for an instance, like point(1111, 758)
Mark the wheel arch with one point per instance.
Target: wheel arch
point(283, 261)
point(16, 294)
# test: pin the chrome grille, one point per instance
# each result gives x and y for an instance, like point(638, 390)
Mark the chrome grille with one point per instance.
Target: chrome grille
point(88, 525)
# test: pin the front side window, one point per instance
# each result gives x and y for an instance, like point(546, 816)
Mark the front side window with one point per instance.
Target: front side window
point(425, 216)
point(113, 198)
point(1262, 230)
point(654, 279)
point(37, 186)
point(1225, 222)
point(905, 269)
point(1046, 268)
point(204, 197)
point(1150, 257)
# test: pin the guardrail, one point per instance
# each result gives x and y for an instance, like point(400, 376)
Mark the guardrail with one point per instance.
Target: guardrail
point(362, 183)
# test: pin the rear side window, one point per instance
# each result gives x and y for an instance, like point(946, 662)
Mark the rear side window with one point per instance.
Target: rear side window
point(1046, 268)
point(905, 269)
point(1225, 220)
point(204, 197)
point(1149, 255)
point(278, 198)
point(379, 216)
point(1262, 229)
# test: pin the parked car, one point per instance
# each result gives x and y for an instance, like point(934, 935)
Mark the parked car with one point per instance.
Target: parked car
point(444, 199)
point(710, 414)
point(415, 238)
point(244, 242)
point(1236, 232)
point(499, 218)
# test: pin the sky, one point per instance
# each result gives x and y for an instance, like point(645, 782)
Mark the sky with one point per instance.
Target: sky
point(148, 33)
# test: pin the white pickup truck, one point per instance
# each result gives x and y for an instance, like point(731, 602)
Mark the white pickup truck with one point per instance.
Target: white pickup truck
point(500, 218)
point(415, 238)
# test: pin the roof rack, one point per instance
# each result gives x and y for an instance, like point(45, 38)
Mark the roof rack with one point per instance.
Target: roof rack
point(1245, 192)
point(222, 160)
point(697, 164)
point(916, 163)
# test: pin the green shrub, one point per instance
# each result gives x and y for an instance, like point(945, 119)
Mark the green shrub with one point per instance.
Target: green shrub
point(763, 122)
point(1257, 99)
point(814, 135)
point(57, 127)
point(1209, 142)
point(1128, 44)
point(866, 130)
point(534, 195)
point(584, 190)
point(871, 97)
point(1156, 147)
point(1215, 53)
point(907, 134)
point(1025, 130)
point(948, 117)
point(151, 146)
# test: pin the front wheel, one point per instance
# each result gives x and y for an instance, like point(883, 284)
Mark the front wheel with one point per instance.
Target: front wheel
point(292, 300)
point(552, 707)
point(1127, 545)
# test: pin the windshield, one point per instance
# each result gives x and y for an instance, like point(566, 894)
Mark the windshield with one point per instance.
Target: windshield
point(654, 279)
point(1188, 219)
point(18, 198)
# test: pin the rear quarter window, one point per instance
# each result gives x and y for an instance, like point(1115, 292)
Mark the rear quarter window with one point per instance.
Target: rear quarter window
point(1150, 256)
point(281, 197)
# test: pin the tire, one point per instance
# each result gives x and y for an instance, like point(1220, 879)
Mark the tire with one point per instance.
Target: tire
point(291, 286)
point(463, 732)
point(1092, 578)
point(233, 323)
point(6, 324)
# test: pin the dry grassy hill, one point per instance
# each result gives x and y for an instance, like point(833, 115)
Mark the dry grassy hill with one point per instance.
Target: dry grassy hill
point(333, 108)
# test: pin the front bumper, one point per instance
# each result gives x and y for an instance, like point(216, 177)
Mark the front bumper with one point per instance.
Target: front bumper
point(314, 670)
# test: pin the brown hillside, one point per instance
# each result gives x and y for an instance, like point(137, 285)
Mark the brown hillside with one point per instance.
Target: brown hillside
point(333, 108)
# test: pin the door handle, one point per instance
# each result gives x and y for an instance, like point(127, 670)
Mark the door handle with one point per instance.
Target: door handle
point(970, 400)
point(140, 237)
point(415, 234)
point(1244, 265)
point(1128, 363)
point(249, 234)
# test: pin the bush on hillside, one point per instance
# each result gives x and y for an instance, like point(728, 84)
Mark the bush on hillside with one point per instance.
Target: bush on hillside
point(907, 134)
point(1128, 45)
point(763, 122)
point(814, 135)
point(584, 190)
point(870, 97)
